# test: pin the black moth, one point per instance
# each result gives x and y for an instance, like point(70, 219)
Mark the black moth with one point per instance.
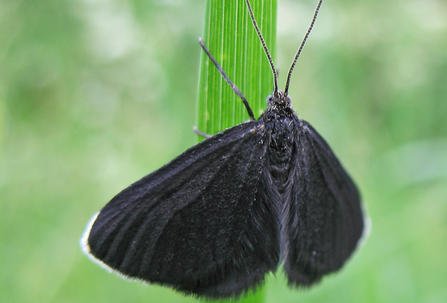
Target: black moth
point(219, 217)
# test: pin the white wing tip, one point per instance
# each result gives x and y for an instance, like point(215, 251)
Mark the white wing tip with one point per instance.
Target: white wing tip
point(367, 226)
point(86, 250)
point(86, 247)
point(84, 240)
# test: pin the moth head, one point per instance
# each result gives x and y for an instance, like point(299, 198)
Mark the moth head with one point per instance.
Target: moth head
point(279, 98)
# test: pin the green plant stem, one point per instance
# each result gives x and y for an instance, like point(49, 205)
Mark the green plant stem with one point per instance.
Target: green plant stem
point(232, 40)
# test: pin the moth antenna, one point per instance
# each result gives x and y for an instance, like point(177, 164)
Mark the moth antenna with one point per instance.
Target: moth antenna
point(232, 85)
point(266, 50)
point(302, 45)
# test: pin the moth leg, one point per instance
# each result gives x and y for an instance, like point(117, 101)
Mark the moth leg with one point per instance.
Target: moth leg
point(200, 133)
point(224, 75)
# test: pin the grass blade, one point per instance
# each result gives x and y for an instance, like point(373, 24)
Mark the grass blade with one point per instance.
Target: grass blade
point(231, 38)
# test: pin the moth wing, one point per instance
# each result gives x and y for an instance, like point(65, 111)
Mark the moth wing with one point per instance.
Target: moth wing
point(200, 224)
point(324, 221)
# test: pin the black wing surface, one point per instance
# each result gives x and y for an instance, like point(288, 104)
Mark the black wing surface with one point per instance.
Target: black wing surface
point(201, 224)
point(324, 220)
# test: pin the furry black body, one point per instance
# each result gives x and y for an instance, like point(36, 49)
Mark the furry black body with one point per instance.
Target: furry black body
point(215, 220)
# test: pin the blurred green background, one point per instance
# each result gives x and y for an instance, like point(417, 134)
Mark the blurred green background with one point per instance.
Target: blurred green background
point(94, 94)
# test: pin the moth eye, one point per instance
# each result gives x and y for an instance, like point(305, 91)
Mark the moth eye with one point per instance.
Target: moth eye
point(269, 99)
